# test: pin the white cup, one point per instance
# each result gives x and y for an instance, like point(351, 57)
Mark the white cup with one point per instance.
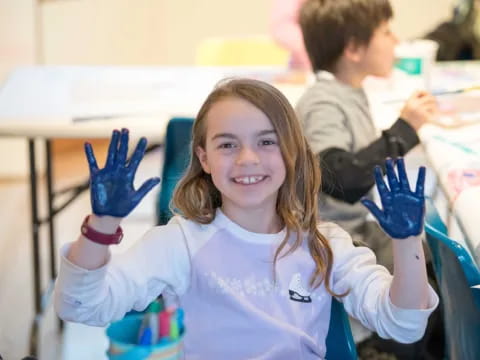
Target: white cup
point(417, 58)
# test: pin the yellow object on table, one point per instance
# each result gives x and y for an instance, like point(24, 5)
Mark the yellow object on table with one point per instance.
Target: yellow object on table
point(236, 51)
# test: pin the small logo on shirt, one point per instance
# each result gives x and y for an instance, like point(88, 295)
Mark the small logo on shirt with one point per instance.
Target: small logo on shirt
point(296, 290)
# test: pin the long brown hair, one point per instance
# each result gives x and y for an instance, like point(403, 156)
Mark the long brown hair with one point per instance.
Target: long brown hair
point(196, 197)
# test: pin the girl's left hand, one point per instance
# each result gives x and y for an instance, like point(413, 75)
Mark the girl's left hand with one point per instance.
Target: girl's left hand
point(403, 210)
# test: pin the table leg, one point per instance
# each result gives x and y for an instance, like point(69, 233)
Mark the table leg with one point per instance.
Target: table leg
point(51, 215)
point(35, 223)
point(50, 197)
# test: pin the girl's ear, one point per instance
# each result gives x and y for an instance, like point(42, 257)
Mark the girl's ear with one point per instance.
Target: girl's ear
point(202, 157)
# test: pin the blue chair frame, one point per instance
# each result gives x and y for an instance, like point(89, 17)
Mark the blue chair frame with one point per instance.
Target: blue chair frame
point(339, 342)
point(456, 273)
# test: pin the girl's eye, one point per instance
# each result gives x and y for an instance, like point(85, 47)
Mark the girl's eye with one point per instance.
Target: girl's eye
point(267, 142)
point(226, 146)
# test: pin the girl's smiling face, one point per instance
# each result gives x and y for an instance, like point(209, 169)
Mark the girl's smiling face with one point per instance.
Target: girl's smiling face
point(242, 155)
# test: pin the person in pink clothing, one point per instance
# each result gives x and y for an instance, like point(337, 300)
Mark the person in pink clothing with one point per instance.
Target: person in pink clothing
point(286, 31)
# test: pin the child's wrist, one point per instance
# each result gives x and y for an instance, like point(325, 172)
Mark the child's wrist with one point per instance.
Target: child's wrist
point(408, 241)
point(105, 224)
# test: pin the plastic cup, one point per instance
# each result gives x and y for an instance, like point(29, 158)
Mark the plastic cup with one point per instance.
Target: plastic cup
point(123, 335)
point(417, 58)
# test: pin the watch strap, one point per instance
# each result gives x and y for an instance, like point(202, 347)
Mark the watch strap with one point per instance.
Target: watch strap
point(99, 237)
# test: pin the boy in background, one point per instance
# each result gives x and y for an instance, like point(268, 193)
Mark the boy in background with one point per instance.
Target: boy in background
point(346, 41)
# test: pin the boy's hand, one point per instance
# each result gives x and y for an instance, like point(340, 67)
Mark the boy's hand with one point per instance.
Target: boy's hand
point(419, 109)
point(111, 188)
point(403, 210)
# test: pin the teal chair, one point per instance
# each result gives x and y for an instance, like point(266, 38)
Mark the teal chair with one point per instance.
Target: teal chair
point(456, 273)
point(340, 344)
point(177, 155)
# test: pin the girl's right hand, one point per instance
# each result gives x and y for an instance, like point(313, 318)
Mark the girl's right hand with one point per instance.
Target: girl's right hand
point(419, 109)
point(111, 188)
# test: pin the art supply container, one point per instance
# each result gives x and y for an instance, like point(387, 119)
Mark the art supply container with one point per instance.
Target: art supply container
point(123, 338)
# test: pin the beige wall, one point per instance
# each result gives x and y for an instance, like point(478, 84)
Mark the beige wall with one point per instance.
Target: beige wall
point(17, 40)
point(16, 34)
point(142, 31)
point(167, 31)
point(416, 17)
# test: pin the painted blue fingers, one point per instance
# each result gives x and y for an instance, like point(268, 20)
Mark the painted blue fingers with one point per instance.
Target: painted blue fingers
point(403, 210)
point(138, 154)
point(420, 187)
point(111, 188)
point(112, 149)
point(92, 162)
point(393, 182)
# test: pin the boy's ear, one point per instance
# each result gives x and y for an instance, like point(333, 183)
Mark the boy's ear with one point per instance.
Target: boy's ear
point(202, 157)
point(353, 51)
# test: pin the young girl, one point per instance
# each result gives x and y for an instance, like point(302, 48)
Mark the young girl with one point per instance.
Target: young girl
point(253, 267)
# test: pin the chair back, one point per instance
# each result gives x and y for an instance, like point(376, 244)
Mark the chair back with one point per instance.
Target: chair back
point(177, 156)
point(456, 273)
point(340, 343)
point(240, 51)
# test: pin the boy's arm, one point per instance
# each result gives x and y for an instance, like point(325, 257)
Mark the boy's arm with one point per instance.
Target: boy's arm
point(348, 176)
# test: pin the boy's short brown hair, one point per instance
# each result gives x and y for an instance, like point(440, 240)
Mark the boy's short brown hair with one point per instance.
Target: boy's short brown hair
point(329, 25)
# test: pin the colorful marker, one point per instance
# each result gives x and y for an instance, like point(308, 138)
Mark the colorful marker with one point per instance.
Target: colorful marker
point(164, 324)
point(174, 328)
point(146, 337)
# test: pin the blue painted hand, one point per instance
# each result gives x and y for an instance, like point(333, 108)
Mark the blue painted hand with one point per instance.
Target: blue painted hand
point(403, 210)
point(111, 188)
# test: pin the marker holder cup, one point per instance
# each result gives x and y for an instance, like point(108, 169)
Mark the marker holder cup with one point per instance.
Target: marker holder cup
point(123, 336)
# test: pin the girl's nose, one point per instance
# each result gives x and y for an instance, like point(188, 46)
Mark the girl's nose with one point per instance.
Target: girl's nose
point(246, 156)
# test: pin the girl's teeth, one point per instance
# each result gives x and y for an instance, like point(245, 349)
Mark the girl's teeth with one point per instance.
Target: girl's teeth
point(249, 179)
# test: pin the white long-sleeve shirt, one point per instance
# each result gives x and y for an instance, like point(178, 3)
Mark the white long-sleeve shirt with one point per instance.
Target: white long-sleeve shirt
point(222, 274)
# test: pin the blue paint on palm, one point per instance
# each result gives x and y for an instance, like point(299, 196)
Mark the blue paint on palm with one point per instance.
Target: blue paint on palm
point(111, 188)
point(403, 210)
